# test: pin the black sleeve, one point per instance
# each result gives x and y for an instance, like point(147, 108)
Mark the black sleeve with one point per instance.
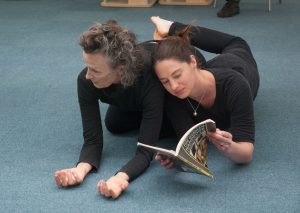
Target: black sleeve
point(240, 105)
point(91, 122)
point(152, 113)
point(215, 41)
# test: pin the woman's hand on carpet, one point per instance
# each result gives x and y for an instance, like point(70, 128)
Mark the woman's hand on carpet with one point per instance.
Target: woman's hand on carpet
point(72, 176)
point(114, 186)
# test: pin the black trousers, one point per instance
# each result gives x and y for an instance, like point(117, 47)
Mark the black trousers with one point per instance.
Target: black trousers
point(118, 121)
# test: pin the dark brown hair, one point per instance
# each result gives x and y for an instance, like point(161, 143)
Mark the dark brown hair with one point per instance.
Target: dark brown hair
point(175, 47)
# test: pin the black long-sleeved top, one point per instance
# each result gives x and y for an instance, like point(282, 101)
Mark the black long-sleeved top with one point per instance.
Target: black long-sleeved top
point(237, 81)
point(146, 96)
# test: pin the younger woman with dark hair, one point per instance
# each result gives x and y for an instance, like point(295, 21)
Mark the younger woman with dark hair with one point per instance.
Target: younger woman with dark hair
point(223, 89)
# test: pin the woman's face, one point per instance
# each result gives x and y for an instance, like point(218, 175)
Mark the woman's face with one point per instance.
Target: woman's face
point(177, 77)
point(99, 72)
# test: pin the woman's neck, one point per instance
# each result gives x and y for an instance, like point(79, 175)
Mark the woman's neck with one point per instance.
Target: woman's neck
point(205, 89)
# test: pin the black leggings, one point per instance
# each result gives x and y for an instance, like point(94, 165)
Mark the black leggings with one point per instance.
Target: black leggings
point(118, 121)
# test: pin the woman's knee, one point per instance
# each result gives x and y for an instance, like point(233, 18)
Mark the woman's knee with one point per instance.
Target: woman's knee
point(112, 125)
point(117, 121)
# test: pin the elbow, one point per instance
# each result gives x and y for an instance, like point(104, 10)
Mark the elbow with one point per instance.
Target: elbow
point(248, 159)
point(245, 159)
point(245, 155)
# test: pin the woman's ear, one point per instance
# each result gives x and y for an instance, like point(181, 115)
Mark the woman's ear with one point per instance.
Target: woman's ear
point(193, 61)
point(119, 72)
point(120, 69)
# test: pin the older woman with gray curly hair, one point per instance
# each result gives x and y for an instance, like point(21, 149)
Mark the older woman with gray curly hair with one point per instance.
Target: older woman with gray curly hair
point(119, 73)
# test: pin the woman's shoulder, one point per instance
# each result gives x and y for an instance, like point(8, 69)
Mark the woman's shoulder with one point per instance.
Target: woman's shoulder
point(230, 83)
point(226, 75)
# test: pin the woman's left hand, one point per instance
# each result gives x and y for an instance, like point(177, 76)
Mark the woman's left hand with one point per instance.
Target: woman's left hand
point(114, 186)
point(221, 139)
point(164, 161)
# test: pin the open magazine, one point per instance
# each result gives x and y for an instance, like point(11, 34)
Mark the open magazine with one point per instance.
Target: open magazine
point(190, 154)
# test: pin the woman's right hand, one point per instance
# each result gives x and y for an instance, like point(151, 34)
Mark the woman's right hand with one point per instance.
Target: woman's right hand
point(72, 176)
point(164, 161)
point(162, 27)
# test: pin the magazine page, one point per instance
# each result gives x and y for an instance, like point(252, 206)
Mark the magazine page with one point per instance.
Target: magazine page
point(193, 147)
point(200, 128)
point(195, 158)
point(183, 166)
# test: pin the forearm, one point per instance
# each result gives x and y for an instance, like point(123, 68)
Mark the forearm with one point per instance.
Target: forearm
point(91, 153)
point(93, 138)
point(84, 167)
point(240, 152)
point(137, 165)
point(91, 122)
point(123, 176)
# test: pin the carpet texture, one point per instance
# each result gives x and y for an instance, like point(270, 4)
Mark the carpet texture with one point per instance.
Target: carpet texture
point(40, 124)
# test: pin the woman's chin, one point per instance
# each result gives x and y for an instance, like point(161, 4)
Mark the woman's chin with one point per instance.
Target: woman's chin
point(181, 96)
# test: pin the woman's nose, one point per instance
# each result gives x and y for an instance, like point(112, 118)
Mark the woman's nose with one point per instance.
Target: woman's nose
point(88, 75)
point(173, 85)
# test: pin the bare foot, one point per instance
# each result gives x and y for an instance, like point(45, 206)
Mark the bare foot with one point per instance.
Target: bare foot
point(113, 187)
point(72, 176)
point(162, 27)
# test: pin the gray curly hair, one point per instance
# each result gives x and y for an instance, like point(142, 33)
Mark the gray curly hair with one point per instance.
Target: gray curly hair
point(118, 45)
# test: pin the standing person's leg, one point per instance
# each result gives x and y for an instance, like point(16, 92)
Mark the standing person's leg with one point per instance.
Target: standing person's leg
point(229, 9)
point(119, 121)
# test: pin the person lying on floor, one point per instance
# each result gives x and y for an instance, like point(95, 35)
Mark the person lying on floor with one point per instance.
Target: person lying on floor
point(118, 72)
point(222, 89)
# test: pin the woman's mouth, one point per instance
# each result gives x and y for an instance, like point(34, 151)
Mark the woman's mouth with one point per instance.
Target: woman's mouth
point(179, 92)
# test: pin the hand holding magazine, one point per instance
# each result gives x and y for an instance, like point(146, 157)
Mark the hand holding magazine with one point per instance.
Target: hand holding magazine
point(190, 154)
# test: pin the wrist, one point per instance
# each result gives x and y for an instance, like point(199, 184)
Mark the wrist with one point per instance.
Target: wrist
point(240, 152)
point(84, 167)
point(122, 175)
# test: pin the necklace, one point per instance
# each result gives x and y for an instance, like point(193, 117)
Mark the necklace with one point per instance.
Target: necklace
point(194, 108)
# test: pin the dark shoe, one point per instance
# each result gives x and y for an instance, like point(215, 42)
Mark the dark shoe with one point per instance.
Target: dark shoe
point(231, 8)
